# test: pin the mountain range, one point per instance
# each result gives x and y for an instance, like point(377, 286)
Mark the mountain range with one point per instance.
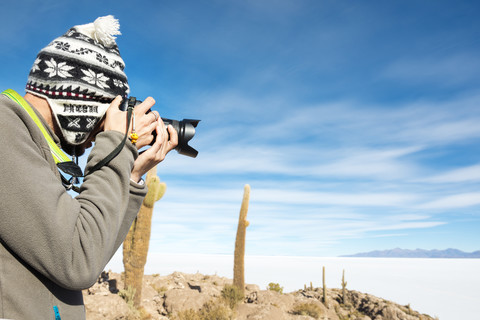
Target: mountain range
point(418, 253)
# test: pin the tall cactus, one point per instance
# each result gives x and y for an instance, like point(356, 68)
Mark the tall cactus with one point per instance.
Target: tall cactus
point(135, 246)
point(239, 257)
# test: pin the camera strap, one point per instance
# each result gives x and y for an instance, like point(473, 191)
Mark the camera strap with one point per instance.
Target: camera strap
point(119, 148)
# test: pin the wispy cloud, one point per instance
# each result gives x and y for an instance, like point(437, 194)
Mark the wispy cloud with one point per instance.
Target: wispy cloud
point(465, 174)
point(341, 122)
point(291, 221)
point(284, 193)
point(332, 198)
point(301, 161)
point(454, 201)
point(344, 139)
point(458, 69)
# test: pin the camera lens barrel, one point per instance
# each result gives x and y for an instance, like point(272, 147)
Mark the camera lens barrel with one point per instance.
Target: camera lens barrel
point(185, 129)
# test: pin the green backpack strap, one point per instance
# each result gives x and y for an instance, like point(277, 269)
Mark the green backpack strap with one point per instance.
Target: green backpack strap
point(61, 158)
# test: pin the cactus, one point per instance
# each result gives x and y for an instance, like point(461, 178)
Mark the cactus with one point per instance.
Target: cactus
point(344, 285)
point(324, 288)
point(239, 256)
point(135, 246)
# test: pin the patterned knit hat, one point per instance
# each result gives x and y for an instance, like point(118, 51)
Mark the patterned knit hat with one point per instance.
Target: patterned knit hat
point(79, 74)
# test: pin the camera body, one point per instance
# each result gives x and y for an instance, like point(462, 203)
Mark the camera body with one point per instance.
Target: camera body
point(185, 128)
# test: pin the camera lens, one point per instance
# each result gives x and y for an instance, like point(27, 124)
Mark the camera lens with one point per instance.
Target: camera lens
point(185, 128)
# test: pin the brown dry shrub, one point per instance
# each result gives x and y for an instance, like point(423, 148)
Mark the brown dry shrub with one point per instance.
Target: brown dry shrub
point(308, 309)
point(232, 295)
point(212, 310)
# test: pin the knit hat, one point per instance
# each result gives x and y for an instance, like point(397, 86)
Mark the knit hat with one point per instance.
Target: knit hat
point(79, 74)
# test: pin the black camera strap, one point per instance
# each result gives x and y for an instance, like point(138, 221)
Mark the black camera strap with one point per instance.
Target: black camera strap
point(69, 184)
point(119, 148)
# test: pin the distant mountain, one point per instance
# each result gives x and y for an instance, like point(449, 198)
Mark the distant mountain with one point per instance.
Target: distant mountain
point(418, 253)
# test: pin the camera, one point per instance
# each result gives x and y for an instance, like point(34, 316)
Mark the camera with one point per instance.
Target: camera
point(185, 128)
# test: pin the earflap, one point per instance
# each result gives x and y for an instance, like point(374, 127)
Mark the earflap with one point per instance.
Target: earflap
point(77, 120)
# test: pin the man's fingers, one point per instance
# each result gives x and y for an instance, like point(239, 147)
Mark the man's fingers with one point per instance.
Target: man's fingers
point(156, 115)
point(173, 136)
point(146, 105)
point(115, 104)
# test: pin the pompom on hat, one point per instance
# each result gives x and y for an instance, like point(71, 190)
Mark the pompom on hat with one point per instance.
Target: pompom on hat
point(79, 74)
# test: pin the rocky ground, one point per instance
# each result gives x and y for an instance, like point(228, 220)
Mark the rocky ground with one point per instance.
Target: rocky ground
point(183, 296)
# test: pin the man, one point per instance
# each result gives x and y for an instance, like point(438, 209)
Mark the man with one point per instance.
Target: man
point(52, 245)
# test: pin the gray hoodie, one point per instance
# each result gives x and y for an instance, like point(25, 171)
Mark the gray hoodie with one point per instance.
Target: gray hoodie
point(52, 245)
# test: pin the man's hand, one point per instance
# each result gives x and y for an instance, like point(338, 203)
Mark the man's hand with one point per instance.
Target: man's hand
point(157, 152)
point(145, 124)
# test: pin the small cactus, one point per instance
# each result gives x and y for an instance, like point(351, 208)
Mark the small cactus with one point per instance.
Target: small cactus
point(344, 286)
point(239, 256)
point(324, 288)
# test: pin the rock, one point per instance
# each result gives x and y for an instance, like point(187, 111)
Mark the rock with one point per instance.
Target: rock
point(284, 302)
point(260, 312)
point(251, 297)
point(177, 300)
point(106, 307)
point(252, 288)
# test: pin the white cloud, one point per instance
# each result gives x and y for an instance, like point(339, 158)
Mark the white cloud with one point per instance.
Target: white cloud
point(290, 222)
point(454, 201)
point(449, 70)
point(466, 174)
point(224, 198)
point(408, 225)
point(301, 161)
point(332, 198)
point(371, 164)
point(262, 120)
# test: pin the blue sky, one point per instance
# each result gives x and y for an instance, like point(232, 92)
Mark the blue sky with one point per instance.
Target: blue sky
point(355, 123)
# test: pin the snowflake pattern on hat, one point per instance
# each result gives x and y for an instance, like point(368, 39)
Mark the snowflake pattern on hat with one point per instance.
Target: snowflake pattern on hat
point(58, 69)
